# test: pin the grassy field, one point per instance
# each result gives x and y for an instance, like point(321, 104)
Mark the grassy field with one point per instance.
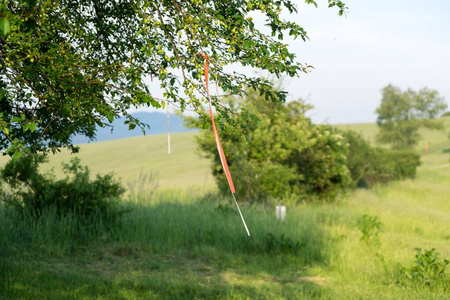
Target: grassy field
point(131, 158)
point(188, 243)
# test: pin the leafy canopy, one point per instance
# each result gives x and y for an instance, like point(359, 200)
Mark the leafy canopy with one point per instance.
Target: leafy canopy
point(66, 66)
point(401, 114)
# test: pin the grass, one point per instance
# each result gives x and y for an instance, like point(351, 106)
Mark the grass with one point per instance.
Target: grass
point(186, 246)
point(189, 243)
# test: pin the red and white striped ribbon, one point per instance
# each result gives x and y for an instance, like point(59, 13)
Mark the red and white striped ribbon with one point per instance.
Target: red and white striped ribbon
point(223, 159)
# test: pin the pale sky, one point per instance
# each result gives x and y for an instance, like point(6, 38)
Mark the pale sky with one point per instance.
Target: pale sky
point(402, 42)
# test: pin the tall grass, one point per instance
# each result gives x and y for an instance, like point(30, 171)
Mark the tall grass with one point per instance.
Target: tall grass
point(184, 245)
point(175, 222)
point(192, 226)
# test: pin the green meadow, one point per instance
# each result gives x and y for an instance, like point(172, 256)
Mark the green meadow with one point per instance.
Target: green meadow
point(132, 158)
point(179, 239)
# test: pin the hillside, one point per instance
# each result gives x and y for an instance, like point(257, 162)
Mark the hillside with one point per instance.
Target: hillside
point(133, 157)
point(184, 167)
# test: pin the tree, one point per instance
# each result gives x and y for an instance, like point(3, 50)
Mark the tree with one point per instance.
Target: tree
point(401, 114)
point(284, 156)
point(67, 66)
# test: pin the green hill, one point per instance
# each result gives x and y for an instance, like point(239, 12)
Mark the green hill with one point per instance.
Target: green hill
point(185, 166)
point(131, 157)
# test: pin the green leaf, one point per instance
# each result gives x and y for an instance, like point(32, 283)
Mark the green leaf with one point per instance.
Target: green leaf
point(155, 103)
point(247, 44)
point(16, 119)
point(110, 117)
point(5, 26)
point(33, 126)
point(251, 25)
point(17, 155)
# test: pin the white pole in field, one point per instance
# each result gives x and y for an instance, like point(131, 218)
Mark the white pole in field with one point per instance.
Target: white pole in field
point(283, 213)
point(168, 129)
point(280, 212)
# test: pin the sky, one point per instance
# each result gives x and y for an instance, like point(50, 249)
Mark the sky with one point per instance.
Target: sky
point(404, 43)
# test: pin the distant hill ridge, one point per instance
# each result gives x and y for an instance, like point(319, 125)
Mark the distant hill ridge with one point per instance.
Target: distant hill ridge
point(156, 120)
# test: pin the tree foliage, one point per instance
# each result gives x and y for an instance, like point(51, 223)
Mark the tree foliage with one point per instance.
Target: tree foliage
point(401, 114)
point(67, 66)
point(284, 156)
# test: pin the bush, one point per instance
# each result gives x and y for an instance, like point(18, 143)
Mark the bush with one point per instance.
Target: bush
point(428, 271)
point(370, 227)
point(282, 245)
point(406, 163)
point(284, 155)
point(370, 165)
point(77, 193)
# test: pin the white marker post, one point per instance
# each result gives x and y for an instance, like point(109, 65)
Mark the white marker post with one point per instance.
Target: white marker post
point(168, 128)
point(280, 212)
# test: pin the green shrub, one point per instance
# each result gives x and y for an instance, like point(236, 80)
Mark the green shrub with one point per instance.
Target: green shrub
point(406, 163)
point(359, 158)
point(77, 193)
point(370, 227)
point(371, 165)
point(282, 156)
point(428, 271)
point(282, 245)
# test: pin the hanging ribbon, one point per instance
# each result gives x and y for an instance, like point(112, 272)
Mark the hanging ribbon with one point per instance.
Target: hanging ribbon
point(223, 159)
